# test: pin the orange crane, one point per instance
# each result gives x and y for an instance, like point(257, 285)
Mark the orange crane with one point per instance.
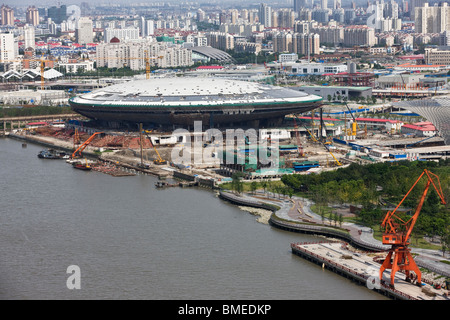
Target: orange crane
point(398, 231)
point(79, 150)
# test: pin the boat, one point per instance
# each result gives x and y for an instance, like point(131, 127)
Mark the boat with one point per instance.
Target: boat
point(52, 154)
point(82, 166)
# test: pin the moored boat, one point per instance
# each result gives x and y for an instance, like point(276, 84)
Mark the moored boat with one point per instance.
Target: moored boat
point(52, 154)
point(82, 166)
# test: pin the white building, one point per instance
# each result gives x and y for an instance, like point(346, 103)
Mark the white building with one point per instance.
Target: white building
point(133, 54)
point(121, 34)
point(288, 57)
point(84, 31)
point(317, 68)
point(8, 51)
point(78, 67)
point(29, 37)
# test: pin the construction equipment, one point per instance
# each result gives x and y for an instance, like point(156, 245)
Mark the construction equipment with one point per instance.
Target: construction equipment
point(76, 138)
point(321, 142)
point(42, 62)
point(158, 160)
point(79, 150)
point(301, 153)
point(398, 231)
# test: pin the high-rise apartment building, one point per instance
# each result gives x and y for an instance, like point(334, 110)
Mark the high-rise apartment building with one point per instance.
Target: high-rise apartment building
point(133, 54)
point(306, 44)
point(282, 42)
point(359, 36)
point(434, 19)
point(7, 15)
point(29, 37)
point(413, 4)
point(7, 47)
point(121, 34)
point(32, 16)
point(220, 40)
point(57, 14)
point(265, 15)
point(84, 32)
point(329, 34)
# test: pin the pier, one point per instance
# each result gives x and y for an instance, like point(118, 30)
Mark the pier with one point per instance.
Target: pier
point(363, 268)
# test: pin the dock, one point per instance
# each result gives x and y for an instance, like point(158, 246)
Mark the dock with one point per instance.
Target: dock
point(363, 268)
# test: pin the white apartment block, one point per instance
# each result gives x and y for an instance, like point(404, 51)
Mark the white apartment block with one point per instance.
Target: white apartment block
point(134, 54)
point(359, 36)
point(77, 67)
point(29, 36)
point(7, 47)
point(318, 68)
point(220, 40)
point(121, 34)
point(435, 19)
point(84, 31)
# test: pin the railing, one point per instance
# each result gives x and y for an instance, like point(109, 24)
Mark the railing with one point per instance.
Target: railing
point(327, 231)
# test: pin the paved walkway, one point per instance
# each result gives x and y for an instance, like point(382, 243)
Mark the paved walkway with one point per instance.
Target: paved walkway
point(299, 210)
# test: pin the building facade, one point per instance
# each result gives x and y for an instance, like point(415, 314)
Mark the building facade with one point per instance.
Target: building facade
point(435, 19)
point(32, 16)
point(84, 32)
point(7, 15)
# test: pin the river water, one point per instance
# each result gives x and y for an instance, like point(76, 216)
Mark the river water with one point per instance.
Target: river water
point(133, 241)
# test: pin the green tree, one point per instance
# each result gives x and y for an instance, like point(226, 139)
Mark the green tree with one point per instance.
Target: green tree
point(253, 186)
point(236, 182)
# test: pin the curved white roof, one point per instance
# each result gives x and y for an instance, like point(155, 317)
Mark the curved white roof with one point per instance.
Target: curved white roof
point(192, 90)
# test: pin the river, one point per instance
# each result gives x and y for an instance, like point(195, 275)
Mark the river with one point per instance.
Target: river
point(133, 241)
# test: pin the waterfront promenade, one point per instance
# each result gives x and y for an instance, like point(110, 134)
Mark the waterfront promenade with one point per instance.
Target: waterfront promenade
point(295, 215)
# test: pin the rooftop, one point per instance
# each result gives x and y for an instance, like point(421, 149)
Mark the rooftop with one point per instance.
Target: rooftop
point(172, 91)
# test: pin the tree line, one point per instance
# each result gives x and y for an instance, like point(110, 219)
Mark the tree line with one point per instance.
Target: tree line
point(379, 187)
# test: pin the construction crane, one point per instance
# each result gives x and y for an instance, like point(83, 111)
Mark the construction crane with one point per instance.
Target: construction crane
point(76, 138)
point(146, 59)
point(158, 160)
point(321, 142)
point(79, 150)
point(398, 231)
point(297, 136)
point(42, 62)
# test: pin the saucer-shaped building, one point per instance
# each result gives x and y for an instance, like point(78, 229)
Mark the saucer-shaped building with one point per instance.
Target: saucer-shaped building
point(179, 101)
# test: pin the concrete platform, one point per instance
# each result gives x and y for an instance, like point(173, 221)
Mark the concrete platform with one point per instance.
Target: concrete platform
point(360, 267)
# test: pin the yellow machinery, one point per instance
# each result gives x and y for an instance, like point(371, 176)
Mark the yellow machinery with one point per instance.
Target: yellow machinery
point(158, 160)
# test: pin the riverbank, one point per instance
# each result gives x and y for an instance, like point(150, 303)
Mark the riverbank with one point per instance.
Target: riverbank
point(293, 215)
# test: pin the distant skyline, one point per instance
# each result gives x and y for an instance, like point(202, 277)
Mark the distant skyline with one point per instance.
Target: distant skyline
point(49, 3)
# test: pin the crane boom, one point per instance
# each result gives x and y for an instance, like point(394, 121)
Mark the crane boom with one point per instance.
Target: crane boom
point(83, 146)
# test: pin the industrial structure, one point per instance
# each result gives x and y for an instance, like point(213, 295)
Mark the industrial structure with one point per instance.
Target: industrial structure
point(398, 231)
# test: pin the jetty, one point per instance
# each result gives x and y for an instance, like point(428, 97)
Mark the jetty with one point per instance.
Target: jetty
point(363, 268)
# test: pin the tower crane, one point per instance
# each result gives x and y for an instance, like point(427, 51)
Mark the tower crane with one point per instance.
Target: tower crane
point(42, 62)
point(398, 231)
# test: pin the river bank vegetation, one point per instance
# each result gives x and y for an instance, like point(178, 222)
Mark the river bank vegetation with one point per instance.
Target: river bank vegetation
point(374, 189)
